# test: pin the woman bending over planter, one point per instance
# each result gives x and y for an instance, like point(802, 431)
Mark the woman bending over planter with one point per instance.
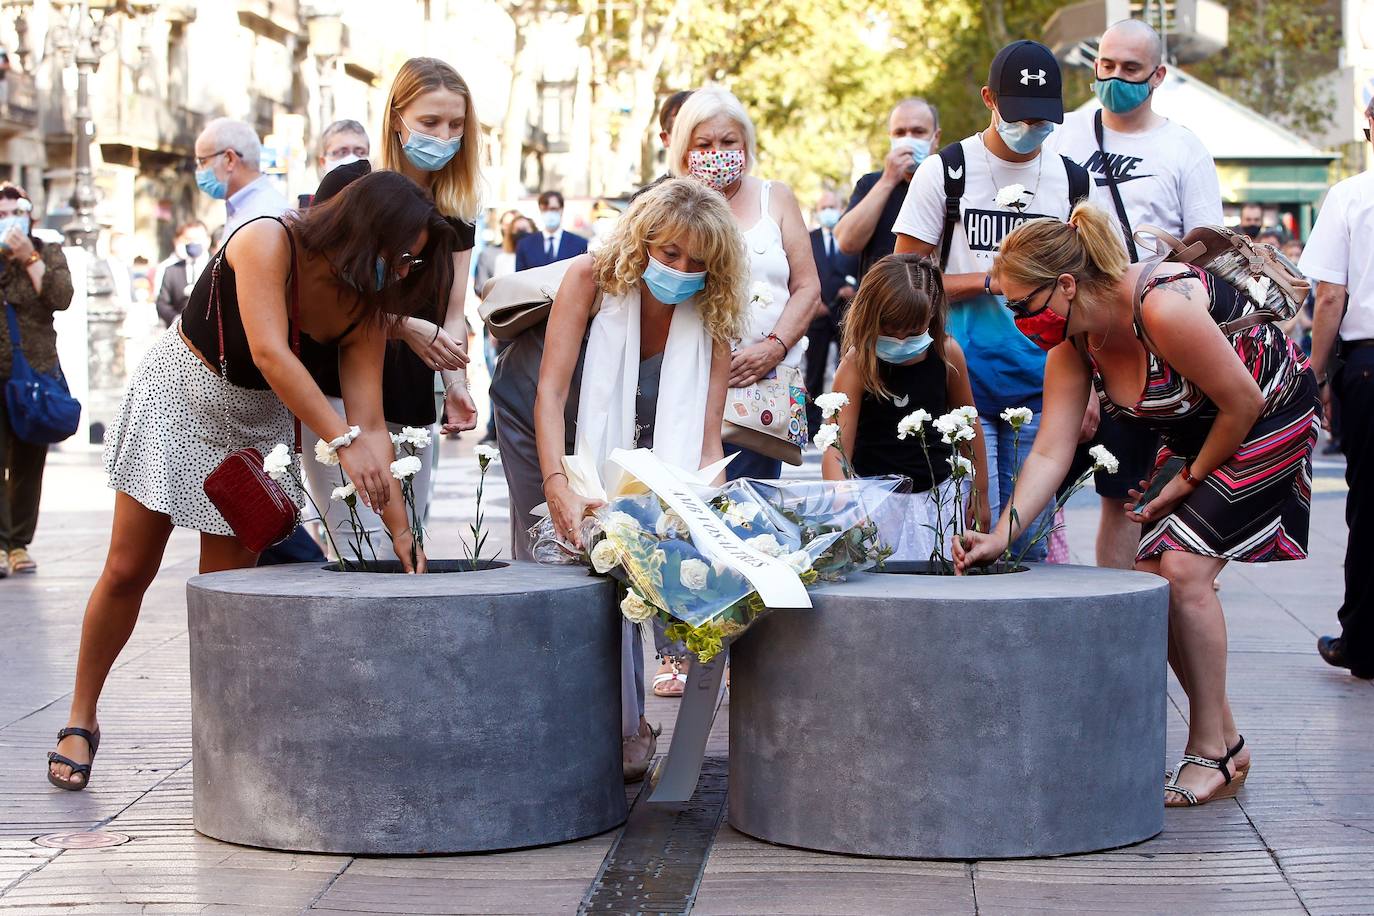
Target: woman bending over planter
point(353, 260)
point(636, 355)
point(1238, 419)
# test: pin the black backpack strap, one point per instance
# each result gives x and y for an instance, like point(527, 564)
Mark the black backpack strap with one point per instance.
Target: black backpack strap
point(952, 162)
point(1116, 193)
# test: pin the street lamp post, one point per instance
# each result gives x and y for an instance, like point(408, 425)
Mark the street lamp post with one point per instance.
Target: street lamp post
point(83, 35)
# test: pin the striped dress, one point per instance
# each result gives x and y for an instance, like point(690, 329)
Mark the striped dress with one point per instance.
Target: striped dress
point(1255, 507)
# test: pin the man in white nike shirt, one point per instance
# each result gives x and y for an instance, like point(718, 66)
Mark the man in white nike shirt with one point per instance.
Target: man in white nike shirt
point(1163, 177)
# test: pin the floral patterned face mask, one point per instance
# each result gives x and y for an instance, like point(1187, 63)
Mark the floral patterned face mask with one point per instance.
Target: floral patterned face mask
point(716, 168)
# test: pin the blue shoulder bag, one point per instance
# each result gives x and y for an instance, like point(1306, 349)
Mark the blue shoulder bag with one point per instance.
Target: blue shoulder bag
point(41, 409)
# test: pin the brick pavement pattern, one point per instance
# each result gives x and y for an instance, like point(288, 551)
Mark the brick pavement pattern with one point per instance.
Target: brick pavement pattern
point(1299, 839)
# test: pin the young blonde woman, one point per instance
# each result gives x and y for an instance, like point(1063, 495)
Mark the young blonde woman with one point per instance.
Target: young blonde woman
point(1238, 414)
point(648, 370)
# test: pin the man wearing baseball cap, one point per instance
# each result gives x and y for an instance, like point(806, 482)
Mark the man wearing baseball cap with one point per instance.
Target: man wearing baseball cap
point(992, 182)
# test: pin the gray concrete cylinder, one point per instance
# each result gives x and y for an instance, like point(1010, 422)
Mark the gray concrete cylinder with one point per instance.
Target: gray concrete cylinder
point(388, 714)
point(972, 718)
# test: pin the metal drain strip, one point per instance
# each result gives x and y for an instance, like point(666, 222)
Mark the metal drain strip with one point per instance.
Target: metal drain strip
point(655, 865)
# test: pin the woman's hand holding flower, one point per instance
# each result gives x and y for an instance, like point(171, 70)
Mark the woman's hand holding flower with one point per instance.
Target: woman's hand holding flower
point(567, 509)
point(369, 474)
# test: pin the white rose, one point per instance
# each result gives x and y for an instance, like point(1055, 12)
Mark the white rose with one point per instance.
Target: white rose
point(766, 544)
point(912, 424)
point(405, 468)
point(826, 436)
point(1017, 416)
point(693, 574)
point(622, 520)
point(831, 403)
point(1103, 459)
point(325, 455)
point(960, 466)
point(670, 525)
point(1010, 195)
point(344, 492)
point(487, 453)
point(635, 608)
point(799, 560)
point(278, 462)
point(605, 556)
point(740, 514)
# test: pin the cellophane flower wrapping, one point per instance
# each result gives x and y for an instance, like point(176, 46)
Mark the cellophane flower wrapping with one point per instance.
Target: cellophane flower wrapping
point(823, 530)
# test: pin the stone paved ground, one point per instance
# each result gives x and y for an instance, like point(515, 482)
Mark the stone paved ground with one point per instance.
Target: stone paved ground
point(1299, 839)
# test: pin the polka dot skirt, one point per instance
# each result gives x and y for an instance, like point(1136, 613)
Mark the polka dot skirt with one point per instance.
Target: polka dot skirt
point(179, 419)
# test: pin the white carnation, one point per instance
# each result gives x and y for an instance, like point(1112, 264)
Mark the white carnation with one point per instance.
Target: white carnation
point(761, 293)
point(960, 466)
point(1103, 459)
point(694, 574)
point(486, 453)
point(344, 492)
point(912, 424)
point(1011, 195)
point(831, 403)
point(968, 412)
point(605, 556)
point(766, 544)
point(826, 436)
point(278, 462)
point(1258, 288)
point(1017, 416)
point(670, 525)
point(635, 608)
point(405, 468)
point(799, 560)
point(325, 455)
point(416, 436)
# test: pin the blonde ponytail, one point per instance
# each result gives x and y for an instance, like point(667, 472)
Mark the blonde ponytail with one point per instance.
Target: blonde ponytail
point(1087, 247)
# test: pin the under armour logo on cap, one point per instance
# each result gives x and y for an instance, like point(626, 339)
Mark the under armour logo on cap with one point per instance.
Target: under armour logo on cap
point(1027, 76)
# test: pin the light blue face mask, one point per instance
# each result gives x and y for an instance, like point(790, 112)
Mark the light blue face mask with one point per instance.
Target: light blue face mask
point(210, 184)
point(919, 146)
point(18, 221)
point(427, 153)
point(1119, 96)
point(551, 219)
point(1023, 137)
point(828, 217)
point(671, 286)
point(899, 350)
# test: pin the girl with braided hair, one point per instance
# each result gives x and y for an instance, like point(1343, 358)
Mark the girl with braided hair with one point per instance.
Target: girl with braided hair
point(897, 360)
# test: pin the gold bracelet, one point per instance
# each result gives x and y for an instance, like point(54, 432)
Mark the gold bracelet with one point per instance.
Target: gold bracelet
point(552, 476)
point(32, 259)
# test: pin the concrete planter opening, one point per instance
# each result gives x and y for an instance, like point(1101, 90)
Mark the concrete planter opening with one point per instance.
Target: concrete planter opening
point(927, 568)
point(396, 714)
point(934, 717)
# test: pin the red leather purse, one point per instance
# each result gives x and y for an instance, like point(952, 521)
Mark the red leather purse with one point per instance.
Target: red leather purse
point(257, 508)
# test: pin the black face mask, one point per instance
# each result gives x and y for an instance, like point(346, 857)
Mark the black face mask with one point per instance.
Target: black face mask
point(519, 234)
point(1251, 231)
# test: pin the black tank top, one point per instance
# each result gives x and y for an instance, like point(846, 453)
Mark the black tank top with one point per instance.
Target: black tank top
point(877, 450)
point(200, 327)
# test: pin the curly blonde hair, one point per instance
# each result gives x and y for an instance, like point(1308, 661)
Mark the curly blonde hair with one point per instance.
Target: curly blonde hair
point(686, 212)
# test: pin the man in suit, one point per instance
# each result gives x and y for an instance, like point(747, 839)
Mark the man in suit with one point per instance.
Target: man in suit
point(179, 273)
point(551, 243)
point(837, 271)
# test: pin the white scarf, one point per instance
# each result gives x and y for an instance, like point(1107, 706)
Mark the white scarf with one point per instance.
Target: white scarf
point(610, 377)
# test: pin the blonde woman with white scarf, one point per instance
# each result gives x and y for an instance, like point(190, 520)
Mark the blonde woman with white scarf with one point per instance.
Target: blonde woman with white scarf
point(673, 280)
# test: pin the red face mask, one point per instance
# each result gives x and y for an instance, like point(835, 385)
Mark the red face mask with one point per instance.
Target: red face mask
point(1044, 327)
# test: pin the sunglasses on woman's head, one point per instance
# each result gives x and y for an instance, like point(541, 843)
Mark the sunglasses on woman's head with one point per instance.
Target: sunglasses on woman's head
point(414, 262)
point(1021, 306)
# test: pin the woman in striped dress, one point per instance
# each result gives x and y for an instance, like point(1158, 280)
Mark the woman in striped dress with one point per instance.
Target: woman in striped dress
point(1238, 414)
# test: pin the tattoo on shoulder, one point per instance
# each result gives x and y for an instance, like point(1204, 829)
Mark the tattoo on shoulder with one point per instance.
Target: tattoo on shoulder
point(1184, 286)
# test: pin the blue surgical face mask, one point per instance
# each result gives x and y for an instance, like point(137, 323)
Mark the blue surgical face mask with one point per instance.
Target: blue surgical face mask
point(1119, 96)
point(552, 219)
point(902, 349)
point(828, 217)
point(18, 221)
point(919, 146)
point(380, 283)
point(194, 250)
point(427, 153)
point(1023, 137)
point(208, 182)
point(671, 286)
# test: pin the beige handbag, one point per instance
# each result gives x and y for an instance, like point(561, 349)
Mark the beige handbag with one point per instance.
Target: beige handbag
point(513, 303)
point(769, 416)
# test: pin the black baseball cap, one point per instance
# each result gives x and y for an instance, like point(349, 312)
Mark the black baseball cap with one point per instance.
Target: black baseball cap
point(341, 177)
point(1025, 77)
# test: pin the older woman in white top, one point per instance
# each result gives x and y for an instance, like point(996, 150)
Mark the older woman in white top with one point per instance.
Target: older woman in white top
point(714, 142)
